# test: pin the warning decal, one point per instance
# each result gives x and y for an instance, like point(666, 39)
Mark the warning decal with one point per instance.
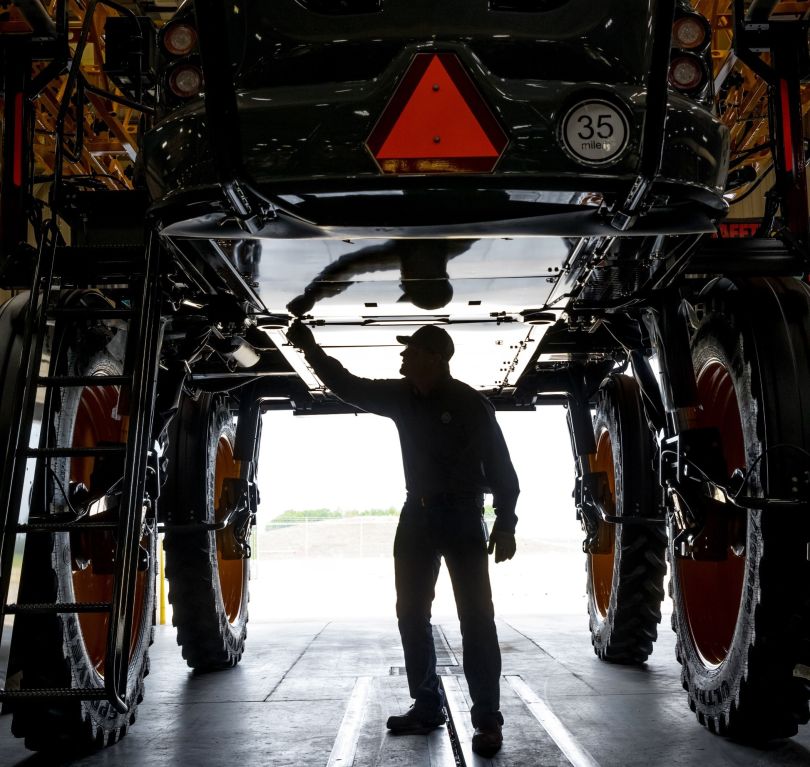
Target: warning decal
point(436, 122)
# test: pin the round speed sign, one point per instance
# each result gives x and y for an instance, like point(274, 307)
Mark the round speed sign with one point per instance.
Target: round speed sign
point(594, 131)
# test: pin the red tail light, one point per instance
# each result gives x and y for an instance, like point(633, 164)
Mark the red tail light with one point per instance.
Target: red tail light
point(180, 39)
point(687, 73)
point(690, 32)
point(185, 81)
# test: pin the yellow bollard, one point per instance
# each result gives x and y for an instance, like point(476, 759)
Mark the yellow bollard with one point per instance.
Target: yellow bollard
point(162, 579)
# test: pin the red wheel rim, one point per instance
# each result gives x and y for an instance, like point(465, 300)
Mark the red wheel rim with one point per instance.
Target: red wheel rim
point(602, 561)
point(711, 591)
point(97, 422)
point(231, 571)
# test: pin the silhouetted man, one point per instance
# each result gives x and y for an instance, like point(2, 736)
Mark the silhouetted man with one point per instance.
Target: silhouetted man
point(453, 452)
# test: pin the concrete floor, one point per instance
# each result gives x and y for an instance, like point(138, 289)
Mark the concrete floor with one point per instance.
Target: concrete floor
point(319, 692)
point(322, 672)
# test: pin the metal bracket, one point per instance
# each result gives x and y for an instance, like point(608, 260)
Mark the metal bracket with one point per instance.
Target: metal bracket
point(694, 454)
point(667, 322)
point(589, 494)
point(703, 501)
point(596, 511)
point(233, 530)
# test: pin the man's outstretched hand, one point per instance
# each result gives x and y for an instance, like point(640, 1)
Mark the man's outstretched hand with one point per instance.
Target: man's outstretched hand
point(300, 336)
point(503, 544)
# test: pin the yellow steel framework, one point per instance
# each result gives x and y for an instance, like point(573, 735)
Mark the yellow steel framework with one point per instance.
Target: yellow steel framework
point(741, 96)
point(110, 130)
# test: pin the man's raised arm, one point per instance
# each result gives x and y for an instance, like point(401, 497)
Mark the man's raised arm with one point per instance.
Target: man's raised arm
point(368, 394)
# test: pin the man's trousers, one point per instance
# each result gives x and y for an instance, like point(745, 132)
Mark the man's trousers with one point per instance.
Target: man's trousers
point(451, 527)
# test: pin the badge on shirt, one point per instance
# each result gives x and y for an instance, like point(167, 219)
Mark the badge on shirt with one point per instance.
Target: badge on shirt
point(446, 417)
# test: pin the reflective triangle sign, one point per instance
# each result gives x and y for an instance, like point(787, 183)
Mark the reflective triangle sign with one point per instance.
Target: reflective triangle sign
point(437, 122)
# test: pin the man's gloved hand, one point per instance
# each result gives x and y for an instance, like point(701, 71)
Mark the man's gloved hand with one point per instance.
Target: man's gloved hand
point(503, 544)
point(300, 336)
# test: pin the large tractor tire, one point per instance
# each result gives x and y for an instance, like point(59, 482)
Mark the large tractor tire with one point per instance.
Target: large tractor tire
point(740, 597)
point(208, 588)
point(12, 320)
point(12, 317)
point(68, 649)
point(626, 563)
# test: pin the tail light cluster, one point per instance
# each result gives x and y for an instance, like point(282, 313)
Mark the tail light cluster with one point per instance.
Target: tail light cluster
point(178, 41)
point(689, 64)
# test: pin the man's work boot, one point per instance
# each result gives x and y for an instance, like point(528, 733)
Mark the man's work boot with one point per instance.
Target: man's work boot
point(487, 740)
point(415, 722)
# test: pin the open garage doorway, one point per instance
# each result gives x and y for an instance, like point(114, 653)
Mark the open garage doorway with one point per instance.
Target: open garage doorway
point(331, 490)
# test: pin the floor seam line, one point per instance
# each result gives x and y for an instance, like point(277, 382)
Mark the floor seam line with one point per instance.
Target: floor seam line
point(295, 662)
point(547, 653)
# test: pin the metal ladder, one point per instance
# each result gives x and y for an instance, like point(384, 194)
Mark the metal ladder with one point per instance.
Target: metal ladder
point(140, 376)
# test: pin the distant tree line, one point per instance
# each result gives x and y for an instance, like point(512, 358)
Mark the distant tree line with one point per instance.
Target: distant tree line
point(299, 515)
point(316, 515)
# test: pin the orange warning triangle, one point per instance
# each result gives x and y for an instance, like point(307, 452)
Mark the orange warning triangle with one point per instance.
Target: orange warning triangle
point(436, 122)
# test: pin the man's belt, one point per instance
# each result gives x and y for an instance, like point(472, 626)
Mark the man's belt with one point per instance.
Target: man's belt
point(438, 499)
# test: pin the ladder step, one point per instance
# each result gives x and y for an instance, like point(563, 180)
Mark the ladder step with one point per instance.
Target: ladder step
point(83, 380)
point(95, 314)
point(57, 607)
point(64, 527)
point(80, 693)
point(128, 253)
point(105, 272)
point(74, 452)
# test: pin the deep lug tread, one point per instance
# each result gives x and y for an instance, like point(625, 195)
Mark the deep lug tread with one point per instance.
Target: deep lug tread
point(768, 356)
point(628, 631)
point(207, 639)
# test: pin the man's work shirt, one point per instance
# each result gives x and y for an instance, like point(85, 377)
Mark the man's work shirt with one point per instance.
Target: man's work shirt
point(450, 440)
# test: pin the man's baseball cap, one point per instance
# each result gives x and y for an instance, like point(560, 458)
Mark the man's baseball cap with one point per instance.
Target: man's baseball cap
point(431, 338)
